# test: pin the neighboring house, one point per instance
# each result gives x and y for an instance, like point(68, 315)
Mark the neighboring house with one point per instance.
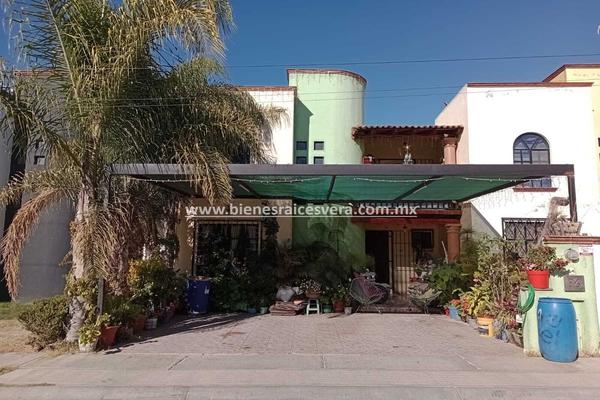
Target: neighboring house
point(527, 123)
point(41, 273)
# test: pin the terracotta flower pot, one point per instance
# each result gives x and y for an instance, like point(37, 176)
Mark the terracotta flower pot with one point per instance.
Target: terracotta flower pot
point(338, 306)
point(138, 323)
point(539, 279)
point(108, 335)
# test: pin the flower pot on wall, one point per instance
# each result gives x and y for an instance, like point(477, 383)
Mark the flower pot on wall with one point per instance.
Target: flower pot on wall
point(539, 279)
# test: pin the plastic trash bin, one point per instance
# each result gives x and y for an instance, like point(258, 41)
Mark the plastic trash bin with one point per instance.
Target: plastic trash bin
point(198, 294)
point(557, 329)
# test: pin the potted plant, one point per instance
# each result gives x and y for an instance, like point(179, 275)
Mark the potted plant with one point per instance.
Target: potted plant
point(108, 330)
point(453, 309)
point(88, 336)
point(539, 263)
point(339, 298)
point(311, 288)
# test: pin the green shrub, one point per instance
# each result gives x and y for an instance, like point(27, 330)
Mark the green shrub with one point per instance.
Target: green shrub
point(152, 283)
point(121, 309)
point(46, 320)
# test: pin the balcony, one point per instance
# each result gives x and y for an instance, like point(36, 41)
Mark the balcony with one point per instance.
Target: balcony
point(408, 144)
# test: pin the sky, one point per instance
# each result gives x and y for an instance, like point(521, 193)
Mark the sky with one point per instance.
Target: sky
point(338, 31)
point(345, 31)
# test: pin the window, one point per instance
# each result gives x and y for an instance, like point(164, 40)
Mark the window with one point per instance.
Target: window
point(524, 231)
point(39, 153)
point(239, 237)
point(318, 160)
point(319, 145)
point(531, 148)
point(422, 244)
point(422, 238)
point(301, 160)
point(301, 145)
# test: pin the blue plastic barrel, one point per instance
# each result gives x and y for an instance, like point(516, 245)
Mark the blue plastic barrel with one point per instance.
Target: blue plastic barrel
point(557, 329)
point(197, 295)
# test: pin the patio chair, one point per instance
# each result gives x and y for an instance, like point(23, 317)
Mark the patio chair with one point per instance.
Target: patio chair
point(422, 295)
point(367, 292)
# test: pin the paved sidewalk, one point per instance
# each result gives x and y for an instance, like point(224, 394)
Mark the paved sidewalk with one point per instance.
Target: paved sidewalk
point(318, 357)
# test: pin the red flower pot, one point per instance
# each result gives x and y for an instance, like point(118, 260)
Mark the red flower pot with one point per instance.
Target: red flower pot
point(539, 279)
point(338, 306)
point(108, 335)
point(138, 323)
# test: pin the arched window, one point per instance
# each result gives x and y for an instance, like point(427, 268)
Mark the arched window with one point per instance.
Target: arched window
point(531, 148)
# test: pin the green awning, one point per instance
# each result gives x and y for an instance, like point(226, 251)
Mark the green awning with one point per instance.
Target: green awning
point(341, 183)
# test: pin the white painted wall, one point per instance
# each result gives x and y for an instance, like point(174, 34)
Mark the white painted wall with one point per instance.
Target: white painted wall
point(495, 116)
point(282, 133)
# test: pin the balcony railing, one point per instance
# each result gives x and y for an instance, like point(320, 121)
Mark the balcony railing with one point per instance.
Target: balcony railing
point(401, 161)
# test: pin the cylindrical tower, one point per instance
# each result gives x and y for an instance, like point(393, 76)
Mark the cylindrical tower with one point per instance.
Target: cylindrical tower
point(329, 104)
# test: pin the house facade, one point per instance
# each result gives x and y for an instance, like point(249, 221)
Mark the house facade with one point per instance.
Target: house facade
point(323, 124)
point(527, 123)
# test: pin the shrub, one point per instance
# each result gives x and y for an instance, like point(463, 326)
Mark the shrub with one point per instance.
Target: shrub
point(153, 283)
point(121, 309)
point(46, 320)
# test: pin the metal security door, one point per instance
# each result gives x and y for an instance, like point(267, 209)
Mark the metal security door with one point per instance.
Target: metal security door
point(402, 260)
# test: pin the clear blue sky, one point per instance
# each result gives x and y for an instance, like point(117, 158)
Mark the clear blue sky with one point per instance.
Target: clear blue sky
point(332, 31)
point(318, 31)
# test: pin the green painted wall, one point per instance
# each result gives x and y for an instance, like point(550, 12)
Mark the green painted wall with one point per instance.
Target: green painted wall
point(584, 303)
point(328, 105)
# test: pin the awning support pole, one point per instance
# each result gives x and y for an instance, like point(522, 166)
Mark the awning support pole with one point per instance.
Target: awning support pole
point(572, 197)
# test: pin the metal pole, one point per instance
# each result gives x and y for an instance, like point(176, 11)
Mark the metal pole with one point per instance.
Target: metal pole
point(572, 197)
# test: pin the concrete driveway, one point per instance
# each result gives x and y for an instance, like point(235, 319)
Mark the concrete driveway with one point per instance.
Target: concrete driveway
point(318, 357)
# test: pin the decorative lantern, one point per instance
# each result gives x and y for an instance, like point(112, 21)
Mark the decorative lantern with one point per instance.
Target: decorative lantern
point(368, 159)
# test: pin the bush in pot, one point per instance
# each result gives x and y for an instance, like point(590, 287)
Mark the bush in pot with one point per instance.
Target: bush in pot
point(108, 330)
point(340, 298)
point(539, 263)
point(88, 336)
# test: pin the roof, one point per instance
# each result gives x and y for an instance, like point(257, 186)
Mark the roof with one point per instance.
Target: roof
point(393, 130)
point(529, 84)
point(346, 183)
point(565, 66)
point(259, 88)
point(352, 74)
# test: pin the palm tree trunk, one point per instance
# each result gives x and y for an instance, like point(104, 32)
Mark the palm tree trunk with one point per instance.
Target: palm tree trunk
point(77, 306)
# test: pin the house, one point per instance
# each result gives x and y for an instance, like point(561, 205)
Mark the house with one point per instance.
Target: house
point(527, 123)
point(409, 190)
point(41, 272)
point(329, 134)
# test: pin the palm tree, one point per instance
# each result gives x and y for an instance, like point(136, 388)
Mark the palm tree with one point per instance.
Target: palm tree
point(127, 81)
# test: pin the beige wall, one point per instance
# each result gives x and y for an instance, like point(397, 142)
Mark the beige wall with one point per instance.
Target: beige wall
point(456, 113)
point(185, 228)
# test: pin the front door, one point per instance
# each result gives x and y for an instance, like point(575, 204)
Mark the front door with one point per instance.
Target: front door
point(377, 246)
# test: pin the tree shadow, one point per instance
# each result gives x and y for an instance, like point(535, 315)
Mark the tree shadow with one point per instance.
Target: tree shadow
point(185, 324)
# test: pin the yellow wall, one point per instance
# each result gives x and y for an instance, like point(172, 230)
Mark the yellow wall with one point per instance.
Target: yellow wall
point(185, 229)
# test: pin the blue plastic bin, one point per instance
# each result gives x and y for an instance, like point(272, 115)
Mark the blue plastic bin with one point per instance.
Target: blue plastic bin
point(557, 329)
point(198, 294)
